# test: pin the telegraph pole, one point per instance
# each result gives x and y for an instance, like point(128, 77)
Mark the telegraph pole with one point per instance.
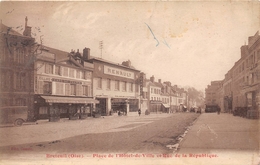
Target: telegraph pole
point(101, 47)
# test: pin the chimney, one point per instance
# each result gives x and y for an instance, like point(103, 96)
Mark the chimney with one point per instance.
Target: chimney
point(152, 79)
point(86, 54)
point(27, 29)
point(159, 80)
point(244, 51)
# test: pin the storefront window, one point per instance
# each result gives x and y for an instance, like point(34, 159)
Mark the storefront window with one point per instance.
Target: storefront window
point(43, 110)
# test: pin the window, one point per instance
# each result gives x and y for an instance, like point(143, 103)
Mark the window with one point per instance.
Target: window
point(79, 90)
point(99, 83)
point(57, 70)
point(82, 75)
point(136, 88)
point(71, 73)
point(65, 71)
point(124, 86)
point(72, 89)
point(108, 83)
point(20, 102)
point(86, 90)
point(67, 89)
point(59, 88)
point(43, 110)
point(131, 87)
point(88, 75)
point(258, 55)
point(49, 68)
point(47, 87)
point(19, 56)
point(77, 74)
point(20, 80)
point(151, 90)
point(116, 85)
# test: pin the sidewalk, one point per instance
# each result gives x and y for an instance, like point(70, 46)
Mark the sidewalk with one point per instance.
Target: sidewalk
point(221, 139)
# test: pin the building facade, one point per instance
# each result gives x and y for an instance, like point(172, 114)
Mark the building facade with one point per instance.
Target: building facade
point(17, 68)
point(115, 86)
point(211, 93)
point(63, 85)
point(241, 85)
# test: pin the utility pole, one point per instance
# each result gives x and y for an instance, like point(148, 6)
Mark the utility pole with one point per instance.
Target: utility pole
point(101, 47)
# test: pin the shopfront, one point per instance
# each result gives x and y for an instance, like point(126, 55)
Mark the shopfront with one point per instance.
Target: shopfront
point(165, 108)
point(155, 106)
point(63, 107)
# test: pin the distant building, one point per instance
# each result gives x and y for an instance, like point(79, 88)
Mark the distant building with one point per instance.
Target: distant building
point(211, 93)
point(17, 68)
point(154, 96)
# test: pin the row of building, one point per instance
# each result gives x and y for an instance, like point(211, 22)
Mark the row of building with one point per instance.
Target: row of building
point(52, 82)
point(241, 85)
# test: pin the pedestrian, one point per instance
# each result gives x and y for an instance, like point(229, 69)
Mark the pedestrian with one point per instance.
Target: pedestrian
point(218, 109)
point(139, 112)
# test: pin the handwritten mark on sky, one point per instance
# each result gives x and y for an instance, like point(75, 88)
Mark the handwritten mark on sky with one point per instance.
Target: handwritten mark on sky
point(153, 34)
point(164, 41)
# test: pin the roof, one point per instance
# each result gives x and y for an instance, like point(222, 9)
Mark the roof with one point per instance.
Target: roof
point(9, 30)
point(109, 62)
point(60, 54)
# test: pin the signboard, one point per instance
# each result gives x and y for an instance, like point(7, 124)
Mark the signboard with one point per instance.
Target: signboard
point(118, 72)
point(42, 78)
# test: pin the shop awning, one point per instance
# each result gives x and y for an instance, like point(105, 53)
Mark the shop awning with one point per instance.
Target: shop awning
point(166, 105)
point(53, 99)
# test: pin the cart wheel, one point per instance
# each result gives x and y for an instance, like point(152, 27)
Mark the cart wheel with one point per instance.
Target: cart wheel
point(18, 122)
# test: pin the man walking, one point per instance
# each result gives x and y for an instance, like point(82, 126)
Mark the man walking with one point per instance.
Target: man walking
point(139, 112)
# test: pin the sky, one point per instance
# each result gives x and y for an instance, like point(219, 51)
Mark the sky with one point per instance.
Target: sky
point(186, 43)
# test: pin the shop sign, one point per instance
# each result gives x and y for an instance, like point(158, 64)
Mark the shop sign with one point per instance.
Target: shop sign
point(42, 78)
point(118, 72)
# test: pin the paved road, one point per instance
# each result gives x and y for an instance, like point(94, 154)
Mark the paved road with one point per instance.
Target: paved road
point(228, 139)
point(49, 131)
point(112, 135)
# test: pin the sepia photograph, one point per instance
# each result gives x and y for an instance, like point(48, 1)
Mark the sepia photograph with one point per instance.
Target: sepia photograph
point(130, 82)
